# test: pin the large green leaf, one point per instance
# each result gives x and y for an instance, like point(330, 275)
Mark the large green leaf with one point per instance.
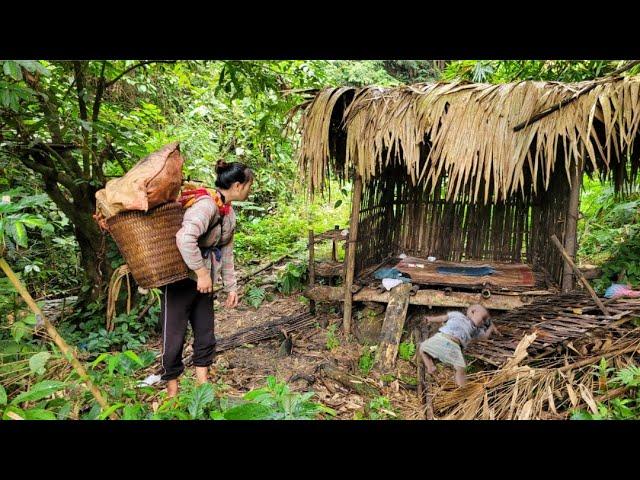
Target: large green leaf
point(202, 396)
point(39, 390)
point(39, 414)
point(3, 396)
point(19, 330)
point(110, 410)
point(249, 411)
point(12, 69)
point(20, 235)
point(15, 410)
point(38, 361)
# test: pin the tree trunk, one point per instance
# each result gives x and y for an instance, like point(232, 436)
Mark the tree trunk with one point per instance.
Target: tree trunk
point(91, 241)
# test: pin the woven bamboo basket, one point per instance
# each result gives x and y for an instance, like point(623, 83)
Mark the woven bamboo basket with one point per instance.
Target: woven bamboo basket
point(148, 243)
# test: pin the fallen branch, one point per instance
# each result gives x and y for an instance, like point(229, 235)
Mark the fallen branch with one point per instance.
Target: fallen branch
point(55, 336)
point(349, 381)
point(579, 274)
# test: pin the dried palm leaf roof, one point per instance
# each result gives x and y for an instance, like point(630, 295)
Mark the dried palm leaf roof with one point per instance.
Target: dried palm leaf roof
point(465, 131)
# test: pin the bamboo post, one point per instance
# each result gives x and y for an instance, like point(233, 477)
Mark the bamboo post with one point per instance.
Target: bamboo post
point(312, 270)
point(578, 273)
point(571, 225)
point(55, 336)
point(350, 259)
point(334, 252)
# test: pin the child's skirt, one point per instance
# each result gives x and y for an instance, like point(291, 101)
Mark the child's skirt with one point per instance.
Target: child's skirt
point(443, 348)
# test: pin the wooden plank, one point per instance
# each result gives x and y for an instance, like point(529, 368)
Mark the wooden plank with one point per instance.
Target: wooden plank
point(432, 298)
point(392, 326)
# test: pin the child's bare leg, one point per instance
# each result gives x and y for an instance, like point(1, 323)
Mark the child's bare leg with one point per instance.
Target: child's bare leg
point(428, 361)
point(461, 378)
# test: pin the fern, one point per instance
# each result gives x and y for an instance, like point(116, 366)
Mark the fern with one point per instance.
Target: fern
point(629, 376)
point(406, 350)
point(332, 340)
point(255, 296)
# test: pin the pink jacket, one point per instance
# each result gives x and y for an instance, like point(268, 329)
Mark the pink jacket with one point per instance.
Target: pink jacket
point(197, 219)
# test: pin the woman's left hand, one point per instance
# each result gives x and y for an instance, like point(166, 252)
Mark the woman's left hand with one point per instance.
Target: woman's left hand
point(232, 300)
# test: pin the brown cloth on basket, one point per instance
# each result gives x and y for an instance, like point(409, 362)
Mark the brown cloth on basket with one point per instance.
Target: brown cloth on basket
point(153, 181)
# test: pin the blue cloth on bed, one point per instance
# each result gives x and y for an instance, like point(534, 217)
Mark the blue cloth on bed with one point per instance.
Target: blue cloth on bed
point(390, 273)
point(468, 271)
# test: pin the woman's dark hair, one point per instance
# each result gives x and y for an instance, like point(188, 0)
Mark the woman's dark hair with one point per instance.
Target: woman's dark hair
point(230, 173)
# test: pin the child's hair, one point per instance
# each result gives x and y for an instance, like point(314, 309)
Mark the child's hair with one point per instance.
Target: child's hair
point(230, 173)
point(476, 306)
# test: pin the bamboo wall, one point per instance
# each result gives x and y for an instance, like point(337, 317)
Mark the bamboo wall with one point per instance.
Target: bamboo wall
point(396, 217)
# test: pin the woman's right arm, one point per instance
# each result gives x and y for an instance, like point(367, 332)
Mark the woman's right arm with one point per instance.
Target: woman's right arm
point(196, 222)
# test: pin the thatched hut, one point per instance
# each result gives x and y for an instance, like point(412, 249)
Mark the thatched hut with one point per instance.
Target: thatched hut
point(469, 172)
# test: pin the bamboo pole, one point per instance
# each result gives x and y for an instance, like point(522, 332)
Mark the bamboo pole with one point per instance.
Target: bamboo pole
point(578, 273)
point(571, 225)
point(312, 270)
point(351, 253)
point(55, 336)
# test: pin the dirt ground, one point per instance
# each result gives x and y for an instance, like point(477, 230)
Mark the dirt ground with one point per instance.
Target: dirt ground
point(247, 367)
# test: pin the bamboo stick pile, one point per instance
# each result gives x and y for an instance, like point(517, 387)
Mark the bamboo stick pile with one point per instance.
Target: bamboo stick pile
point(266, 331)
point(556, 320)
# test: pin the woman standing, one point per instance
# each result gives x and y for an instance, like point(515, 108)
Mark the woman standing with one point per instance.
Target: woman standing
point(205, 242)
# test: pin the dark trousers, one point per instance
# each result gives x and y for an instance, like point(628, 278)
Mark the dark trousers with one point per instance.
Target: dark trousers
point(182, 303)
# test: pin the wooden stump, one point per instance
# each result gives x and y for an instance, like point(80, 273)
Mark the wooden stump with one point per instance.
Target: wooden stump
point(394, 320)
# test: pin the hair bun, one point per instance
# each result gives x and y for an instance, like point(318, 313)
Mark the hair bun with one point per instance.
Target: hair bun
point(221, 166)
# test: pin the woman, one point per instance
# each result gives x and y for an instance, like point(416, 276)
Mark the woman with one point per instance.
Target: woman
point(205, 242)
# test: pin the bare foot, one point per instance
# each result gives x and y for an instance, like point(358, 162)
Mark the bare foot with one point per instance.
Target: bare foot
point(172, 388)
point(428, 362)
point(460, 377)
point(202, 375)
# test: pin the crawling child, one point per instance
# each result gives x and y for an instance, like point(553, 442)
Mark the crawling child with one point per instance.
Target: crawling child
point(453, 336)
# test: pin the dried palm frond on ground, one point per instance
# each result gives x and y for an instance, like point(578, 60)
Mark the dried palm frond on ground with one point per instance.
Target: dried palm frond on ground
point(522, 392)
point(556, 320)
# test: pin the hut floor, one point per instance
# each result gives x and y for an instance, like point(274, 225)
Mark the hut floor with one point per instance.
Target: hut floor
point(425, 272)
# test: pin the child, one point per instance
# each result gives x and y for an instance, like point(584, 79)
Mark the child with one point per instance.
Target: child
point(455, 334)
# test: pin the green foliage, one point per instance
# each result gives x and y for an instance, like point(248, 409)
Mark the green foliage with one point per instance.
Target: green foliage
point(275, 401)
point(129, 333)
point(332, 339)
point(292, 278)
point(202, 396)
point(281, 404)
point(38, 361)
point(39, 390)
point(609, 234)
point(124, 363)
point(366, 360)
point(406, 350)
point(378, 409)
point(620, 408)
point(502, 71)
point(254, 296)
